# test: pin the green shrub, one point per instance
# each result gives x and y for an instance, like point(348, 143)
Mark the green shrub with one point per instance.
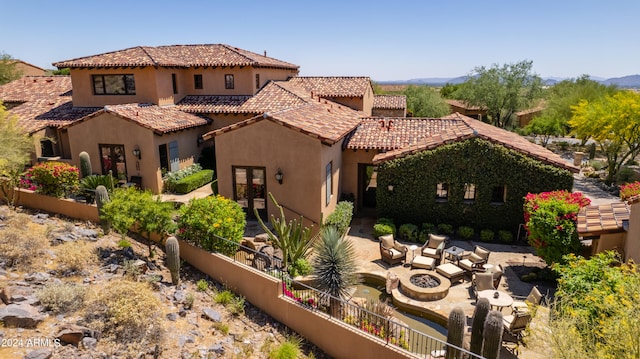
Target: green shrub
point(625, 175)
point(486, 235)
point(124, 243)
point(444, 228)
point(193, 181)
point(408, 232)
point(300, 267)
point(202, 285)
point(381, 229)
point(505, 236)
point(202, 219)
point(465, 232)
point(385, 220)
point(429, 227)
point(563, 145)
point(61, 297)
point(225, 297)
point(423, 236)
point(54, 178)
point(188, 301)
point(341, 216)
point(171, 178)
point(290, 349)
point(237, 305)
point(597, 165)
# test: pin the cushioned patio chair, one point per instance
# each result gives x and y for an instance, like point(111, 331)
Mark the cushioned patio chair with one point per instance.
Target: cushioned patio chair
point(497, 273)
point(391, 251)
point(482, 281)
point(433, 247)
point(474, 260)
point(522, 304)
point(516, 323)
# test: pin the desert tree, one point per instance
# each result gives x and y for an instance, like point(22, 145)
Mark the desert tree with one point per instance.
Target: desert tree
point(8, 69)
point(424, 101)
point(15, 152)
point(501, 90)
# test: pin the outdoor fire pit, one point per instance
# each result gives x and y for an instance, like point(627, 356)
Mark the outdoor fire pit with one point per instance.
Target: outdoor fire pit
point(424, 280)
point(424, 285)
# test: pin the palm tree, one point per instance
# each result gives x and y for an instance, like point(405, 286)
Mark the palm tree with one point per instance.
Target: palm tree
point(334, 266)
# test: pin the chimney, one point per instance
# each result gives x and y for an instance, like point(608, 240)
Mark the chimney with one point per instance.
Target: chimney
point(265, 53)
point(389, 123)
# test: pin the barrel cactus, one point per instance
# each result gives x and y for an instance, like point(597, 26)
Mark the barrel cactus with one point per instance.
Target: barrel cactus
point(492, 335)
point(172, 249)
point(455, 332)
point(85, 164)
point(477, 327)
point(102, 197)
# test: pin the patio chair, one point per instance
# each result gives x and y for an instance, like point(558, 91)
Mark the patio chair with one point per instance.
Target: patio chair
point(522, 305)
point(516, 323)
point(391, 251)
point(474, 260)
point(482, 281)
point(497, 273)
point(433, 247)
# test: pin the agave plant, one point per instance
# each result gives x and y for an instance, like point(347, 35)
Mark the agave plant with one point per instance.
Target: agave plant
point(89, 184)
point(334, 266)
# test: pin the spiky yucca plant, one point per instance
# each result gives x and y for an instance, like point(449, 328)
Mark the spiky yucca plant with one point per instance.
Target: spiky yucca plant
point(335, 266)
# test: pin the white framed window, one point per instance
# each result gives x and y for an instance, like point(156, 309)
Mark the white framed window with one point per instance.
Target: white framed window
point(469, 192)
point(442, 192)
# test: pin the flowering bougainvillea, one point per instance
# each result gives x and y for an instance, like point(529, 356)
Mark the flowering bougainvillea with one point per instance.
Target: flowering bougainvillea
point(550, 218)
point(52, 178)
point(629, 190)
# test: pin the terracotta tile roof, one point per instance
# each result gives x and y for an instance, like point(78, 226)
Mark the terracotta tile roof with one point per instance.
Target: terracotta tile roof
point(463, 127)
point(31, 88)
point(159, 119)
point(390, 102)
point(212, 104)
point(333, 86)
point(316, 117)
point(177, 56)
point(396, 133)
point(36, 115)
point(462, 105)
point(602, 219)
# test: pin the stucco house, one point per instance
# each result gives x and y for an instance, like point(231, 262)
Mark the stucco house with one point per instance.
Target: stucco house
point(310, 141)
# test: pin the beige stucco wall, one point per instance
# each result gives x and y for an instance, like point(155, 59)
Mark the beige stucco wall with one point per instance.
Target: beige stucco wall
point(350, 161)
point(267, 144)
point(109, 129)
point(632, 243)
point(146, 87)
point(224, 120)
point(610, 241)
point(331, 154)
point(66, 207)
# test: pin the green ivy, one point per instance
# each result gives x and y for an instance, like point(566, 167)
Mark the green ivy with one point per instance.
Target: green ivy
point(475, 161)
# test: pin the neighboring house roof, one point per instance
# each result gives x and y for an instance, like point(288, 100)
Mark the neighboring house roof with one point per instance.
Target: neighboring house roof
point(463, 105)
point(177, 56)
point(602, 219)
point(455, 127)
point(31, 88)
point(390, 102)
point(212, 104)
point(316, 117)
point(160, 120)
point(333, 86)
point(35, 115)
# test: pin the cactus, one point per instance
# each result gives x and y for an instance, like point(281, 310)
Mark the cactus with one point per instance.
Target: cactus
point(85, 165)
point(173, 258)
point(492, 335)
point(477, 326)
point(592, 151)
point(455, 332)
point(102, 197)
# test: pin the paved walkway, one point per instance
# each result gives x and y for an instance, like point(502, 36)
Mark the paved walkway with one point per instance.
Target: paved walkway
point(201, 192)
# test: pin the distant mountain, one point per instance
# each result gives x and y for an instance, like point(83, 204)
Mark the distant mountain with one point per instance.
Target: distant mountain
point(631, 81)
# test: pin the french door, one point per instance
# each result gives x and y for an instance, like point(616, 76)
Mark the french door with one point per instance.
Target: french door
point(249, 189)
point(112, 158)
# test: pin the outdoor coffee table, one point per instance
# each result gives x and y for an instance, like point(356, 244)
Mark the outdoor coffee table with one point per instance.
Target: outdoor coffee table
point(502, 300)
point(453, 253)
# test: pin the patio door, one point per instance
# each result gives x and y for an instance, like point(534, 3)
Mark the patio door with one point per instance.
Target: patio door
point(112, 158)
point(367, 176)
point(249, 190)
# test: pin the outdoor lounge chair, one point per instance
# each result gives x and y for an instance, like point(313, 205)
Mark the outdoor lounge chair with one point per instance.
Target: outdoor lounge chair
point(474, 260)
point(391, 251)
point(522, 305)
point(433, 247)
point(497, 273)
point(482, 281)
point(516, 323)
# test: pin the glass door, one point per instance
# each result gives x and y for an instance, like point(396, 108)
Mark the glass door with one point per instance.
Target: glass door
point(249, 189)
point(112, 158)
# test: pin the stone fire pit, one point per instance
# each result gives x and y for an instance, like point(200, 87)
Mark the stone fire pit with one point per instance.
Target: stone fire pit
point(424, 285)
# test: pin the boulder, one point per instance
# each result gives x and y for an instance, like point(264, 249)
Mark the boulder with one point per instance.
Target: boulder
point(74, 334)
point(20, 316)
point(14, 294)
point(39, 354)
point(212, 314)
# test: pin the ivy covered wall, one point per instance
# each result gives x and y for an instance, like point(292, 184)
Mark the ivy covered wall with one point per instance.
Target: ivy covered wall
point(414, 179)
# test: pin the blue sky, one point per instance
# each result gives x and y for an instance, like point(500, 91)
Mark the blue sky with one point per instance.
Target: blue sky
point(386, 40)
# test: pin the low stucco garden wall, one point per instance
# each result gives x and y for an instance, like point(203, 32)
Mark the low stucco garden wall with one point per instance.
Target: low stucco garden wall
point(63, 206)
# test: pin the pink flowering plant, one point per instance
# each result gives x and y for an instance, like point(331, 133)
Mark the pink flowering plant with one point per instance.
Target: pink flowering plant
point(52, 178)
point(629, 190)
point(551, 220)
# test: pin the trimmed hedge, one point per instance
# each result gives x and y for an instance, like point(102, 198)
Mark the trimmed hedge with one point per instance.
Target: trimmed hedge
point(476, 161)
point(193, 181)
point(341, 216)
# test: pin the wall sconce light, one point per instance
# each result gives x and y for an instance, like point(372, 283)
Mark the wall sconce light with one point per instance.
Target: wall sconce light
point(390, 188)
point(136, 152)
point(279, 176)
